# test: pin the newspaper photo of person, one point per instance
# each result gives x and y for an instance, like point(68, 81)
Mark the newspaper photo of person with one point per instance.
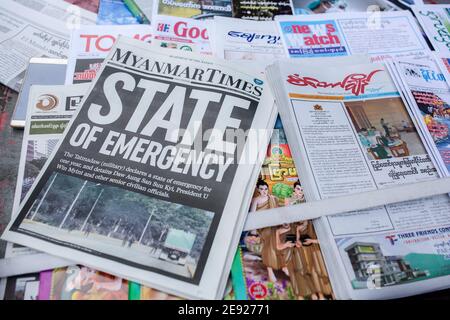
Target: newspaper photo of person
point(284, 262)
point(385, 129)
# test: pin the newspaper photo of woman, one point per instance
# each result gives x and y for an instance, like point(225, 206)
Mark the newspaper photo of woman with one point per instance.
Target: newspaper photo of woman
point(264, 200)
point(286, 261)
point(297, 197)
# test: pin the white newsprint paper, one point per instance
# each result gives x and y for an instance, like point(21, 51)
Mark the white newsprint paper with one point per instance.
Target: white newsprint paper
point(89, 45)
point(29, 29)
point(151, 179)
point(354, 140)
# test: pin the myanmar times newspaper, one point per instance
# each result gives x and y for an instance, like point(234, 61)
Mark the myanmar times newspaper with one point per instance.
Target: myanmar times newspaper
point(141, 184)
point(351, 132)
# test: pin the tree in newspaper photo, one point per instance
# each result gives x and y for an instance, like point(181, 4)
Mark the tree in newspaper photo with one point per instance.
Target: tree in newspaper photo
point(161, 234)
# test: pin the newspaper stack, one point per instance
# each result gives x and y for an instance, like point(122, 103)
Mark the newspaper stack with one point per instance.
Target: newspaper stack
point(107, 162)
point(148, 162)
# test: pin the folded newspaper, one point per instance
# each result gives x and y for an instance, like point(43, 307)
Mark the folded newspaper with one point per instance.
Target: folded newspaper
point(144, 182)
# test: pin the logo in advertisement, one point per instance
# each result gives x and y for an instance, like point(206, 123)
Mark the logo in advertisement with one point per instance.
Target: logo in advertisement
point(72, 103)
point(47, 102)
point(313, 39)
point(250, 37)
point(356, 83)
point(431, 75)
point(185, 48)
point(163, 27)
point(257, 290)
point(318, 107)
point(392, 239)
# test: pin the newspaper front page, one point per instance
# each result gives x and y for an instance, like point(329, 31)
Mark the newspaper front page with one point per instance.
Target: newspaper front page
point(355, 134)
point(143, 154)
point(382, 35)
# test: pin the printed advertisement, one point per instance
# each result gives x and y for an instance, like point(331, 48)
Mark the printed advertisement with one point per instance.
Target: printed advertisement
point(398, 258)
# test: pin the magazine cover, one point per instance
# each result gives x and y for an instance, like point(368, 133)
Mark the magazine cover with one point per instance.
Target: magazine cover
point(195, 9)
point(81, 283)
point(89, 45)
point(435, 21)
point(430, 95)
point(260, 10)
point(106, 164)
point(331, 6)
point(382, 35)
point(280, 262)
point(181, 33)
